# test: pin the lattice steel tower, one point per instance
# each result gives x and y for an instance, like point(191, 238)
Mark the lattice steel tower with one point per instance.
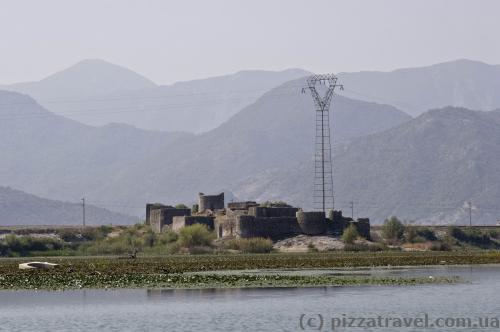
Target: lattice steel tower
point(323, 170)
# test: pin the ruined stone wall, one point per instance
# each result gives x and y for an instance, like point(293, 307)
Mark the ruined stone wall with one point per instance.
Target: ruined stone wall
point(225, 226)
point(150, 207)
point(275, 227)
point(363, 227)
point(270, 212)
point(312, 223)
point(241, 205)
point(183, 221)
point(162, 217)
point(210, 202)
point(337, 223)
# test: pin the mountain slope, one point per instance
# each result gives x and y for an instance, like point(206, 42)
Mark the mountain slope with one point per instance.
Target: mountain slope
point(274, 132)
point(95, 92)
point(83, 80)
point(425, 170)
point(462, 83)
point(55, 157)
point(19, 208)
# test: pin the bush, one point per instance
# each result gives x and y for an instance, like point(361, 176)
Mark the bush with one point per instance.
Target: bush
point(149, 238)
point(473, 236)
point(393, 229)
point(494, 234)
point(426, 233)
point(415, 234)
point(195, 235)
point(411, 235)
point(69, 235)
point(350, 234)
point(13, 245)
point(440, 246)
point(275, 204)
point(93, 234)
point(254, 245)
point(365, 247)
point(181, 206)
point(168, 237)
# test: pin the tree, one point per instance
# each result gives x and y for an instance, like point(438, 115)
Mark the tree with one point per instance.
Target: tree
point(181, 206)
point(350, 234)
point(393, 229)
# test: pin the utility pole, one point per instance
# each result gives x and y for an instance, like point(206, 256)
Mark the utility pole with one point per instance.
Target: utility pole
point(352, 210)
point(323, 171)
point(470, 214)
point(83, 212)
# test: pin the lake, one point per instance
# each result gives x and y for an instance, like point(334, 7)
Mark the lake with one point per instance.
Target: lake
point(289, 309)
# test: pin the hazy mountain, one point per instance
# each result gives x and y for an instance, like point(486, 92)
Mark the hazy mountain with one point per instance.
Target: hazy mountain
point(55, 157)
point(425, 170)
point(273, 133)
point(96, 92)
point(20, 208)
point(84, 80)
point(121, 167)
point(461, 83)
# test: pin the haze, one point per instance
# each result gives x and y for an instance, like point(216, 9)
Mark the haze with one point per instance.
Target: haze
point(169, 41)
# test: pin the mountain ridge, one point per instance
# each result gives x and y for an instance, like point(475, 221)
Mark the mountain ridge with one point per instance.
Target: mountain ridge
point(20, 208)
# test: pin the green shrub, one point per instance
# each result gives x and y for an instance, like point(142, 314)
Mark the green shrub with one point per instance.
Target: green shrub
point(350, 234)
point(440, 246)
point(255, 245)
point(149, 238)
point(275, 204)
point(195, 235)
point(473, 236)
point(411, 234)
point(416, 234)
point(13, 245)
point(200, 250)
point(168, 237)
point(393, 229)
point(69, 235)
point(494, 234)
point(426, 233)
point(365, 247)
point(92, 234)
point(181, 206)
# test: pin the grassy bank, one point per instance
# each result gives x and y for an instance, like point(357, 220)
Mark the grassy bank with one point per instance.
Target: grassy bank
point(174, 271)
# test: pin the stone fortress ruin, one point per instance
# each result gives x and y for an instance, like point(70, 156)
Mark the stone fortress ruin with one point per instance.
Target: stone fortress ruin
point(250, 219)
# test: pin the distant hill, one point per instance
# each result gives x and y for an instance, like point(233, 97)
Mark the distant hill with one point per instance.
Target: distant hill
point(425, 170)
point(122, 167)
point(58, 158)
point(96, 92)
point(85, 79)
point(273, 133)
point(19, 208)
point(462, 83)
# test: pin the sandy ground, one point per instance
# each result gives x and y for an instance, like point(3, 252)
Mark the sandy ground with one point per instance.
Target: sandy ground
point(304, 243)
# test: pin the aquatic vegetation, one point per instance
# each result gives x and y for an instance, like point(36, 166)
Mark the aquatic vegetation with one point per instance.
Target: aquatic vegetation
point(102, 272)
point(56, 281)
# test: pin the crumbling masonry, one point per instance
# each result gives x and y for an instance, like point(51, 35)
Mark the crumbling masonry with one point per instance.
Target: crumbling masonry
point(250, 219)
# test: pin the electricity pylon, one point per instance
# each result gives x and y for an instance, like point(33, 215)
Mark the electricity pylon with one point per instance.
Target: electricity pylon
point(323, 170)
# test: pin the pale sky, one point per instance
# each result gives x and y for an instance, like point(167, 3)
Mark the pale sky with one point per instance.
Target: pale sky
point(168, 41)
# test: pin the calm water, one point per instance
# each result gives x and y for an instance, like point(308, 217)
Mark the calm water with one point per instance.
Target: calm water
point(254, 309)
